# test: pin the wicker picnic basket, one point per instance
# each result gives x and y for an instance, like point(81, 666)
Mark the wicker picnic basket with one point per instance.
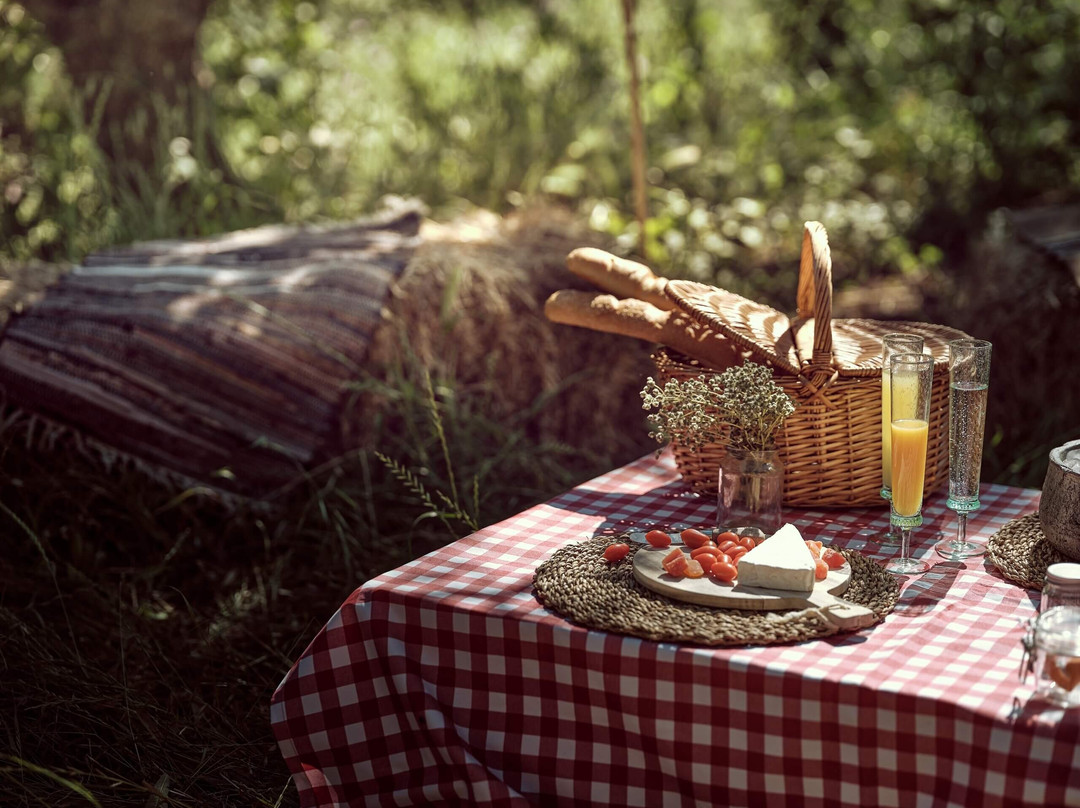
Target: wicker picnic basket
point(831, 445)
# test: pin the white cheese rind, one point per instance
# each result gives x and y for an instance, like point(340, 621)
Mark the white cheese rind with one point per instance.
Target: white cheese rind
point(782, 561)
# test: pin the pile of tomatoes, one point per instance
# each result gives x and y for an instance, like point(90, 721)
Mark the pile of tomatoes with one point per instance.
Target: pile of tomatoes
point(719, 558)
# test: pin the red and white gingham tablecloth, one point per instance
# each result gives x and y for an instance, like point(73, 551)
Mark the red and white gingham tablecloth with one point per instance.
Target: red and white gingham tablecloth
point(444, 682)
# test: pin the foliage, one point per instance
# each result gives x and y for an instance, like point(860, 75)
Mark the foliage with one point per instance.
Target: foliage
point(899, 125)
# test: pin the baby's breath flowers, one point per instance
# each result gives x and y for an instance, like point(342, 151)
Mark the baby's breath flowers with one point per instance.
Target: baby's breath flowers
point(744, 399)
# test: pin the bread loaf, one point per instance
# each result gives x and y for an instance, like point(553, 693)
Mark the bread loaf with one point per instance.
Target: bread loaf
point(642, 320)
point(620, 276)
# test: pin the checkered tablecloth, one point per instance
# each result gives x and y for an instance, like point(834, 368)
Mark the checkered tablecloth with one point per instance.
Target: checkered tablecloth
point(444, 682)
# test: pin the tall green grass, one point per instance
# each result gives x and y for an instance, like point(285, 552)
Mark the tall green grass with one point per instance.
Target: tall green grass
point(143, 628)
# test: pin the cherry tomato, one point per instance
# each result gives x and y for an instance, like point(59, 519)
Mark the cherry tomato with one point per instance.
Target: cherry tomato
point(821, 570)
point(723, 571)
point(834, 559)
point(700, 551)
point(724, 557)
point(616, 552)
point(727, 535)
point(727, 546)
point(737, 553)
point(658, 538)
point(694, 569)
point(747, 542)
point(694, 538)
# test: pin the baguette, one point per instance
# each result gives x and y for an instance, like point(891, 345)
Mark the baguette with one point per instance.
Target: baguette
point(641, 320)
point(620, 276)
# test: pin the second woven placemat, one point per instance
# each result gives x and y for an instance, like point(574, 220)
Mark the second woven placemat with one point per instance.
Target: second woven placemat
point(1021, 552)
point(577, 583)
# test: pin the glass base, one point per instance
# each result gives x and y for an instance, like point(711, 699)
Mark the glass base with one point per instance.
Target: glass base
point(906, 566)
point(959, 550)
point(889, 537)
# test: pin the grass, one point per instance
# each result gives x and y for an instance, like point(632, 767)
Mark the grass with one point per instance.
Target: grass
point(143, 630)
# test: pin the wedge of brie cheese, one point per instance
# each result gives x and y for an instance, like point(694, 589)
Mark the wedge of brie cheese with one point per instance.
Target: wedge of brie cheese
point(782, 561)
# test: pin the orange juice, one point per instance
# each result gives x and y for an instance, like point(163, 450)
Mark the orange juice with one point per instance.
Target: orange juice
point(907, 389)
point(908, 465)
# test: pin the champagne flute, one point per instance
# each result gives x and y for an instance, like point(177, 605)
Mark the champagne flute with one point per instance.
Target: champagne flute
point(891, 344)
point(912, 379)
point(969, 380)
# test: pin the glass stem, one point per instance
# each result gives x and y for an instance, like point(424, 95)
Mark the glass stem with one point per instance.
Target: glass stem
point(961, 528)
point(905, 541)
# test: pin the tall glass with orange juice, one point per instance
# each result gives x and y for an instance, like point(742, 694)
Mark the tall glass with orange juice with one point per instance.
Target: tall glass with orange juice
point(912, 377)
point(893, 344)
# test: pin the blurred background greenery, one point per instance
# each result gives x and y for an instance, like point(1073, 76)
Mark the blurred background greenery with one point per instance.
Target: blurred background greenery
point(900, 125)
point(903, 126)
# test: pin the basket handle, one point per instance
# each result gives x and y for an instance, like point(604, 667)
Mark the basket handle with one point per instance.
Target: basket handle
point(814, 297)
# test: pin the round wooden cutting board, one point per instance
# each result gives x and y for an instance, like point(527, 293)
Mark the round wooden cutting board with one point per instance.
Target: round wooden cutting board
point(649, 572)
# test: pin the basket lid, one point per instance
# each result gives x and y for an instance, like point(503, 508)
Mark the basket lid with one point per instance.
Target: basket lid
point(788, 344)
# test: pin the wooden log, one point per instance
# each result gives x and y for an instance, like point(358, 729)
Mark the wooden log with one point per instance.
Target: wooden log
point(230, 353)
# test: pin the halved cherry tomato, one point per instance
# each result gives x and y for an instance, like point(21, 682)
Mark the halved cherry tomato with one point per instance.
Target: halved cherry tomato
point(727, 545)
point(676, 552)
point(821, 570)
point(700, 551)
point(616, 552)
point(723, 571)
point(694, 569)
point(727, 535)
point(694, 538)
point(678, 566)
point(1060, 677)
point(815, 551)
point(658, 538)
point(834, 559)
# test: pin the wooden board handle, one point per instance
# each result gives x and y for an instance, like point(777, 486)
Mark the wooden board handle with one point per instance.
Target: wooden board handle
point(843, 613)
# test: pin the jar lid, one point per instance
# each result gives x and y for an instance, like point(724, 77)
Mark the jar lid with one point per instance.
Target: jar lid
point(1063, 574)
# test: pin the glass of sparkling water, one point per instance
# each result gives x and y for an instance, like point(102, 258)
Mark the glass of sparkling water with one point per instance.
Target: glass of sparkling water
point(969, 380)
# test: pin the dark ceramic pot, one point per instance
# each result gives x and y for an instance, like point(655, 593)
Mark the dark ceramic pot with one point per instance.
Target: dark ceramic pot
point(1059, 513)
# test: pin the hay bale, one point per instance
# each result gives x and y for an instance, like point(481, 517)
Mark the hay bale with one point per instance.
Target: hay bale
point(469, 307)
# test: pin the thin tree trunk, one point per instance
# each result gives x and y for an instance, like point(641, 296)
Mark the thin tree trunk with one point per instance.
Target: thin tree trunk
point(138, 53)
point(637, 128)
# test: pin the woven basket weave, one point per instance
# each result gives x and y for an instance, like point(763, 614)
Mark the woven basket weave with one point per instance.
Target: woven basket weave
point(831, 445)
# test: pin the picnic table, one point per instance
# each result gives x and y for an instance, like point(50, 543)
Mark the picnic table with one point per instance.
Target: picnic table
point(446, 682)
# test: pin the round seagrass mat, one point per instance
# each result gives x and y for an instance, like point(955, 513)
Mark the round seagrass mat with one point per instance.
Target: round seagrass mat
point(577, 583)
point(1021, 552)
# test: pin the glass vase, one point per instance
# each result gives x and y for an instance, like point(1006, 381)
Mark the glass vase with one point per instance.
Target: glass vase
point(750, 490)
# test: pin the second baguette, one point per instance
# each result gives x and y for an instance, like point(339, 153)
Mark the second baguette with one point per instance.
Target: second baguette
point(636, 318)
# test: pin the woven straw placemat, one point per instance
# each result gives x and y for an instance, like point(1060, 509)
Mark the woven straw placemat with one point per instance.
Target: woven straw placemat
point(579, 584)
point(1021, 552)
